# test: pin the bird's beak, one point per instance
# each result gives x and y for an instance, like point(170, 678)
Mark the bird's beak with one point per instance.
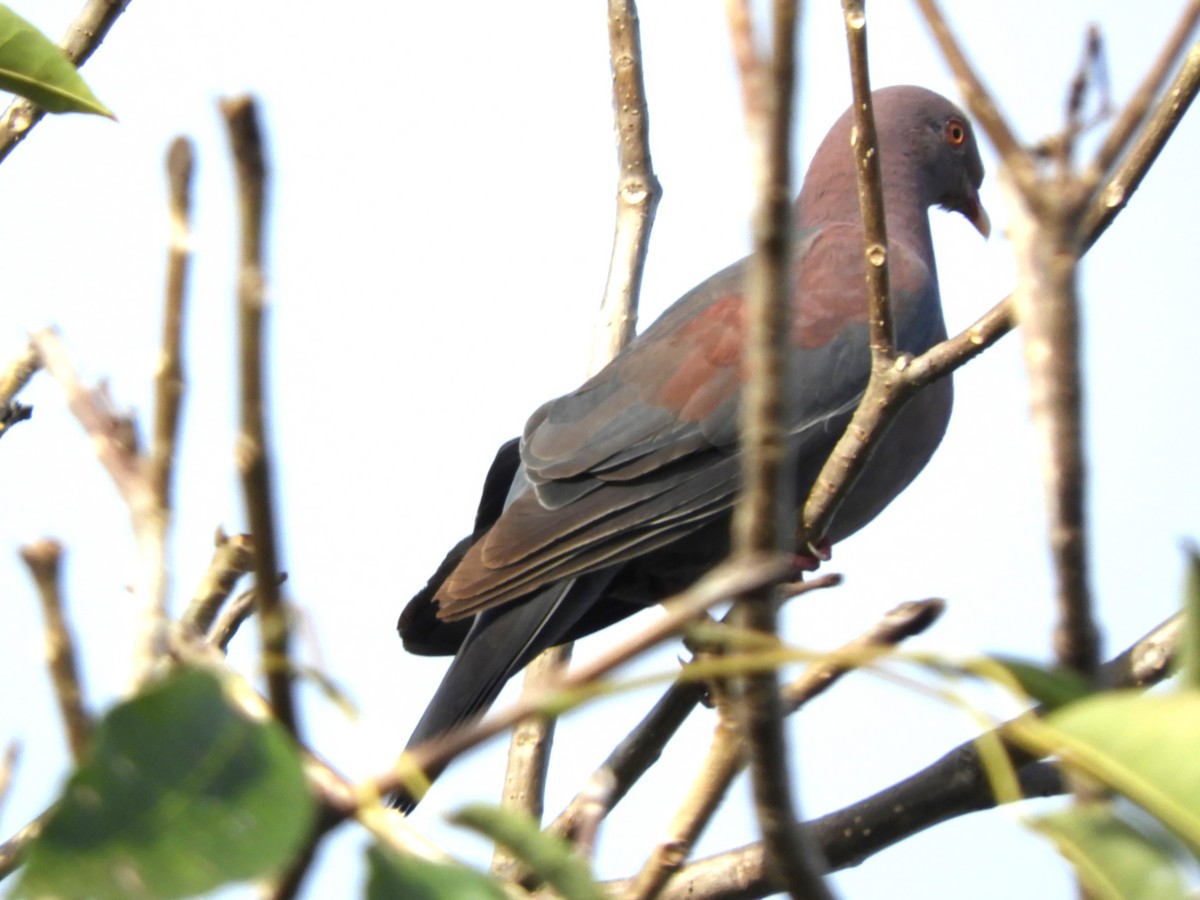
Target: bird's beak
point(976, 214)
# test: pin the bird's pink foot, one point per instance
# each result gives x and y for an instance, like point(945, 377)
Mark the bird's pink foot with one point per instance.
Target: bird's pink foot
point(811, 561)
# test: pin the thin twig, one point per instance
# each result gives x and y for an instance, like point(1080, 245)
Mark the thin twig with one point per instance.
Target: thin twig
point(44, 559)
point(154, 523)
point(1050, 235)
point(638, 190)
point(978, 98)
point(870, 188)
point(725, 758)
point(83, 36)
point(638, 193)
point(850, 455)
point(640, 749)
point(768, 86)
point(847, 837)
point(253, 459)
point(643, 746)
point(952, 353)
point(114, 439)
point(1168, 113)
point(12, 381)
point(241, 608)
point(952, 786)
point(529, 751)
point(12, 851)
point(232, 558)
point(1047, 235)
point(1135, 109)
point(169, 379)
point(111, 433)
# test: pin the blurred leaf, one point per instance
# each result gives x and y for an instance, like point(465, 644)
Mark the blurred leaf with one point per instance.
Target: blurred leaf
point(1113, 859)
point(1051, 687)
point(33, 66)
point(1147, 747)
point(548, 857)
point(182, 792)
point(392, 875)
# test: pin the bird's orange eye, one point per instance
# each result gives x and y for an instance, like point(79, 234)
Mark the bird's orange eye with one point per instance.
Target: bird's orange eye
point(956, 133)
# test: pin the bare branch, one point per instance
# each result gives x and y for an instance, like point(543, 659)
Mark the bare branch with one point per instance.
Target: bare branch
point(529, 751)
point(638, 193)
point(979, 99)
point(1047, 233)
point(759, 523)
point(1170, 110)
point(870, 188)
point(12, 851)
point(223, 630)
point(245, 138)
point(169, 379)
point(638, 190)
point(633, 757)
point(232, 558)
point(851, 453)
point(1047, 246)
point(943, 358)
point(643, 746)
point(12, 381)
point(83, 36)
point(114, 438)
point(44, 559)
point(111, 433)
point(848, 837)
point(725, 757)
point(1135, 110)
point(954, 785)
point(1050, 235)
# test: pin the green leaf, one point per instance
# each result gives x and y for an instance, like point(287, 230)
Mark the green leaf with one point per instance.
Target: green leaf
point(392, 875)
point(33, 66)
point(181, 792)
point(1113, 859)
point(1147, 747)
point(1051, 687)
point(547, 856)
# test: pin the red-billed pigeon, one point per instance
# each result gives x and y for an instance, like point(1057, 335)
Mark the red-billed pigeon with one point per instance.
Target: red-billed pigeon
point(619, 494)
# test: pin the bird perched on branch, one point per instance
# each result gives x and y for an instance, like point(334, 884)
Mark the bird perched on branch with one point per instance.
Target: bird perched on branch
point(618, 494)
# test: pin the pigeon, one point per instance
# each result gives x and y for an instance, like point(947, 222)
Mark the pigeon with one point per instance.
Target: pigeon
point(618, 494)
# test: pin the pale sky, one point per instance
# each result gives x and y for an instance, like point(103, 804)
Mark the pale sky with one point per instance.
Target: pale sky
point(442, 202)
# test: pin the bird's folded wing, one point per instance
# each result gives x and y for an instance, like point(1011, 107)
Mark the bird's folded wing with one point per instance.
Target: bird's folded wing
point(645, 452)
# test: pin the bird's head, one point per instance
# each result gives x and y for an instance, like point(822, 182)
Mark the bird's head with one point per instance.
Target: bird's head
point(934, 138)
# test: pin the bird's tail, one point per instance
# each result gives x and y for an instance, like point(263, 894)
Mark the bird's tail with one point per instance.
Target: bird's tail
point(501, 642)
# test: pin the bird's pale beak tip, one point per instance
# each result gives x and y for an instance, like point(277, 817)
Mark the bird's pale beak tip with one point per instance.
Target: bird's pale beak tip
point(977, 215)
point(982, 222)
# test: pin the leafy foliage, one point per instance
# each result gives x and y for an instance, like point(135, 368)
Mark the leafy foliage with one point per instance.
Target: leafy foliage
point(33, 66)
point(392, 875)
point(547, 856)
point(1114, 860)
point(181, 792)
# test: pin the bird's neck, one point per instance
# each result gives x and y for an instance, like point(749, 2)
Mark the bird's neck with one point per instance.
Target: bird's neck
point(834, 201)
